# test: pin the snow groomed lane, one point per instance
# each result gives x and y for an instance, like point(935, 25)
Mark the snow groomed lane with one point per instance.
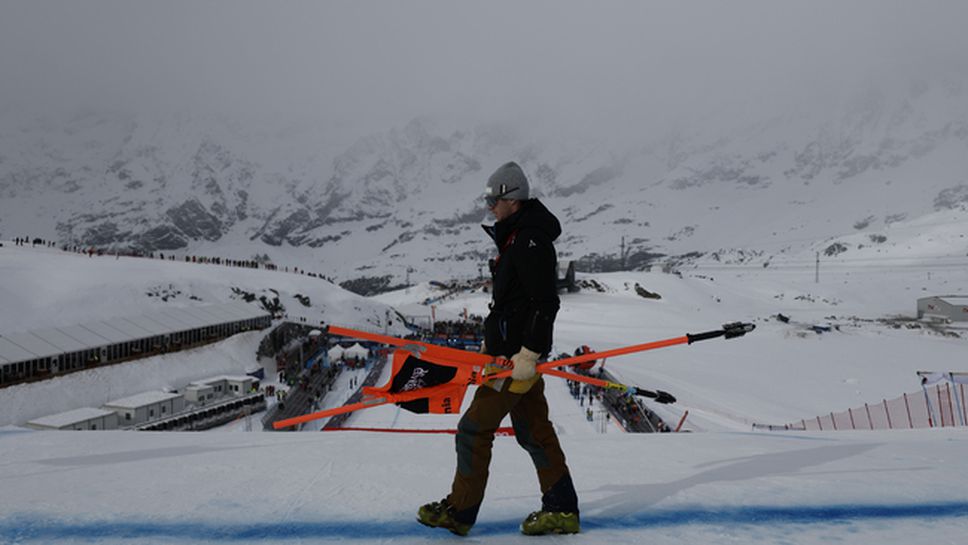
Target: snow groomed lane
point(34, 528)
point(805, 488)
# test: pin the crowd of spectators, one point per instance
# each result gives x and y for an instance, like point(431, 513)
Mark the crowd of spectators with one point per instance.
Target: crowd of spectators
point(629, 411)
point(93, 251)
point(304, 378)
point(24, 241)
point(472, 328)
point(379, 359)
point(584, 394)
point(456, 287)
point(305, 373)
point(350, 362)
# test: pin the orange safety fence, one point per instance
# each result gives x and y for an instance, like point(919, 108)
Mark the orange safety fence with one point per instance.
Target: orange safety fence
point(935, 406)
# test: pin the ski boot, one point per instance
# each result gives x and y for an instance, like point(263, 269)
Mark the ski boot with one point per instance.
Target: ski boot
point(440, 514)
point(541, 523)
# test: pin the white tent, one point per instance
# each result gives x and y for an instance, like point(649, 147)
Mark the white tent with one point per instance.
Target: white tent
point(356, 351)
point(335, 353)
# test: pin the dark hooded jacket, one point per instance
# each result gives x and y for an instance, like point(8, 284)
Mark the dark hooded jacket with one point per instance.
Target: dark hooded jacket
point(525, 276)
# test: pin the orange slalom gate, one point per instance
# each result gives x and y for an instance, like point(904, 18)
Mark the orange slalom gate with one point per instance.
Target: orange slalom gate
point(470, 369)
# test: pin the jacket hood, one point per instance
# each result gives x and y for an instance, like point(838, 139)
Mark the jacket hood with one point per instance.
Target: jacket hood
point(532, 215)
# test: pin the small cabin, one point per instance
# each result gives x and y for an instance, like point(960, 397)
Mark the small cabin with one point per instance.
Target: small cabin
point(944, 308)
point(146, 407)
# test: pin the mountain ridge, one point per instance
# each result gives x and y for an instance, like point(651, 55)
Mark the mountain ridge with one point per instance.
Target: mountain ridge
point(408, 197)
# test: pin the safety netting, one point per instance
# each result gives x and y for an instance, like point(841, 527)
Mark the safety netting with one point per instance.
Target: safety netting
point(941, 402)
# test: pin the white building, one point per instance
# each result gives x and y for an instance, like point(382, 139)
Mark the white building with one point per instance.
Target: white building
point(202, 391)
point(949, 308)
point(145, 407)
point(87, 418)
point(199, 394)
point(241, 385)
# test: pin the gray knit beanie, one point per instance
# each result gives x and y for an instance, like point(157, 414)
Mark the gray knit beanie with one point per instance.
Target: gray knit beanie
point(507, 182)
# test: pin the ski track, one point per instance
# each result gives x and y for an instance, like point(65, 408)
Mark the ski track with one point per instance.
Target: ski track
point(35, 528)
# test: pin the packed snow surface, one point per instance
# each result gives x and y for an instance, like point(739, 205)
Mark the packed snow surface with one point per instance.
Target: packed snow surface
point(724, 487)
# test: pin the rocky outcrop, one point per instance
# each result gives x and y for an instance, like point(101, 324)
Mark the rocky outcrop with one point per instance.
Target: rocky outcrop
point(164, 237)
point(194, 221)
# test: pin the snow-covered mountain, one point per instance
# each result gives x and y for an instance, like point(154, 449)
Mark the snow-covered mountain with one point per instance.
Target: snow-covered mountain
point(833, 179)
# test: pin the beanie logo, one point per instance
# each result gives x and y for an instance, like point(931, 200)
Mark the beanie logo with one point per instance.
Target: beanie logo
point(531, 244)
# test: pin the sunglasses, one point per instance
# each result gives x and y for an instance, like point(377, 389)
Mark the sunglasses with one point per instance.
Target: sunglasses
point(491, 200)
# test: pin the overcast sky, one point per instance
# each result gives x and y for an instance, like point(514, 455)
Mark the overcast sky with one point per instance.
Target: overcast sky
point(384, 62)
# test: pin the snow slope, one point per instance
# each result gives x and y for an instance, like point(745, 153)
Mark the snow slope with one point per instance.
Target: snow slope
point(300, 488)
point(721, 484)
point(778, 374)
point(45, 287)
point(50, 288)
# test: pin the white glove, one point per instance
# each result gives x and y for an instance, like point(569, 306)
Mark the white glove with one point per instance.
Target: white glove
point(524, 363)
point(483, 349)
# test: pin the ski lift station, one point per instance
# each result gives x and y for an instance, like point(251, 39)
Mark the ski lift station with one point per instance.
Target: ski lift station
point(945, 308)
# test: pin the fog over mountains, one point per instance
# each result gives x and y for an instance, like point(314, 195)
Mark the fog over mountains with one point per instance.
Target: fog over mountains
point(409, 196)
point(353, 140)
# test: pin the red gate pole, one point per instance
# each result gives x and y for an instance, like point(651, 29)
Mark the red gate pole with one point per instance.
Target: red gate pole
point(682, 420)
point(951, 407)
point(964, 413)
point(819, 424)
point(908, 408)
point(940, 404)
point(890, 426)
point(833, 421)
point(869, 421)
point(851, 413)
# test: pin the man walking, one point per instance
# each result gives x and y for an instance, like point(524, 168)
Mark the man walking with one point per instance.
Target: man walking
point(519, 326)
